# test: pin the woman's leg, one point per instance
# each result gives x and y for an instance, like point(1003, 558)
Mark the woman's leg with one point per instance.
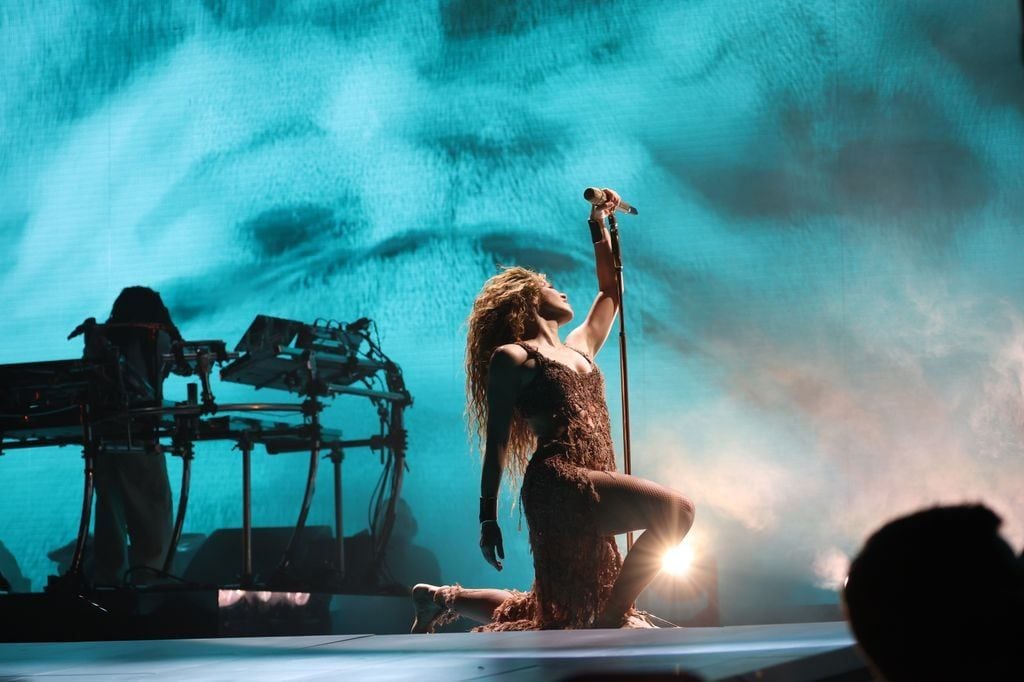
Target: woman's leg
point(478, 604)
point(432, 601)
point(628, 503)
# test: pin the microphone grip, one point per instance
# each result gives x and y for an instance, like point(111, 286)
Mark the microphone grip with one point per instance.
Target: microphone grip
point(597, 197)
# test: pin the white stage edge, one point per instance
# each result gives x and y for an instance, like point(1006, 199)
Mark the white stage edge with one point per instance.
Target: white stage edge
point(796, 652)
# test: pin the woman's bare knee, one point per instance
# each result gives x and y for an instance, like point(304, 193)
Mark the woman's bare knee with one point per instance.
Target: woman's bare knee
point(687, 511)
point(676, 518)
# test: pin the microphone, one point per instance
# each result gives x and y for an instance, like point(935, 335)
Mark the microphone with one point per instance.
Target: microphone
point(597, 197)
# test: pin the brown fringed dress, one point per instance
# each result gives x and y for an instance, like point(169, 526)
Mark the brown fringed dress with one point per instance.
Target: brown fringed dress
point(574, 566)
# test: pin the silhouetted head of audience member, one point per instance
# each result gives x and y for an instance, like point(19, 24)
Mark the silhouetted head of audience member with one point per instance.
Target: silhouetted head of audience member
point(939, 595)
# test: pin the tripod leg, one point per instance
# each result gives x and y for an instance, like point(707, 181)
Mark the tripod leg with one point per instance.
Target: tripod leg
point(247, 577)
point(339, 529)
point(89, 456)
point(179, 519)
point(307, 500)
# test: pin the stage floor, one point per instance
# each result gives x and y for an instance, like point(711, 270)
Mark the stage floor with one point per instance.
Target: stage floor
point(790, 652)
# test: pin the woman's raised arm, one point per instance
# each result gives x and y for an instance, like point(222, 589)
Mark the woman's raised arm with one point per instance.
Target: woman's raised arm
point(592, 334)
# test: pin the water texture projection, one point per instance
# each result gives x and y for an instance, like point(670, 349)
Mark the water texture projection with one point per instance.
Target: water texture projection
point(825, 277)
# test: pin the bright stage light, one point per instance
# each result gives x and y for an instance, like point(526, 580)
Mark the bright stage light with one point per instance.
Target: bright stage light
point(677, 561)
point(298, 598)
point(228, 598)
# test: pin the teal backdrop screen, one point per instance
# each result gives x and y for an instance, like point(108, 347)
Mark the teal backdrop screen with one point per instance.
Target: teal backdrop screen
point(824, 283)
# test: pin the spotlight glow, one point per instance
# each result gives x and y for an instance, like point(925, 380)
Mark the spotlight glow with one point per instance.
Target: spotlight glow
point(677, 561)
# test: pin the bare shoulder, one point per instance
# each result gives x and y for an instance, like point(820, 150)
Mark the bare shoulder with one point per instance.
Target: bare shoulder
point(508, 358)
point(511, 368)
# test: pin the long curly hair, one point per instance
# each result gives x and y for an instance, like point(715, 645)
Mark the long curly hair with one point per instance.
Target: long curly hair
point(500, 314)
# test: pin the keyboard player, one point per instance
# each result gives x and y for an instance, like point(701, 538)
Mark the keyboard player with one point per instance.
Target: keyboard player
point(133, 493)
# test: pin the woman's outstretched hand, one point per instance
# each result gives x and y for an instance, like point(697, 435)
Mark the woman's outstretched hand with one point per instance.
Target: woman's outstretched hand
point(599, 212)
point(490, 543)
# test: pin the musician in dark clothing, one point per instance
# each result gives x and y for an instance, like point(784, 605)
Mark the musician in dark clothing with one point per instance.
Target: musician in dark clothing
point(133, 493)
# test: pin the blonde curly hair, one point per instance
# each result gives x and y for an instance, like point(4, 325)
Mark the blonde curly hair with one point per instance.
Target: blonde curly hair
point(500, 314)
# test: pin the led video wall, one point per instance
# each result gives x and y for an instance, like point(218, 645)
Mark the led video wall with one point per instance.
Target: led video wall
point(823, 284)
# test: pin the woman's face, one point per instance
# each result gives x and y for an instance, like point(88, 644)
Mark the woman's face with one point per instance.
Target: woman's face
point(554, 305)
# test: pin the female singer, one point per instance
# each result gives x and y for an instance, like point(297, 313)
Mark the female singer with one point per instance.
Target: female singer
point(530, 392)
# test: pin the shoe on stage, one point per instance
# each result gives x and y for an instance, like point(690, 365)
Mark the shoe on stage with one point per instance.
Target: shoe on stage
point(638, 620)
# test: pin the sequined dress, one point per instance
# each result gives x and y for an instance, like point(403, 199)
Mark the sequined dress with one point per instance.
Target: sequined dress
point(574, 566)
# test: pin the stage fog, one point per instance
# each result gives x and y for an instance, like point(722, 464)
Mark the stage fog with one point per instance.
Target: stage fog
point(824, 283)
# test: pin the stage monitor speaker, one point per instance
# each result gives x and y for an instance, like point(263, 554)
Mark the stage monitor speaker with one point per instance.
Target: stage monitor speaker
point(218, 561)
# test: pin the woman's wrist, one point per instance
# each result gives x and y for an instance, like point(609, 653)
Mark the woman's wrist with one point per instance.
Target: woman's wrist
point(596, 230)
point(488, 509)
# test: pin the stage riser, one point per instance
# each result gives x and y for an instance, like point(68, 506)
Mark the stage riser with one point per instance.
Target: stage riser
point(129, 614)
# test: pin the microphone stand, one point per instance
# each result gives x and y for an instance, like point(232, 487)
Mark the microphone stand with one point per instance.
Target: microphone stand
point(613, 231)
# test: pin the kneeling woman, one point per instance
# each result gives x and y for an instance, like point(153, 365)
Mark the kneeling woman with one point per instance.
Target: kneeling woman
point(525, 387)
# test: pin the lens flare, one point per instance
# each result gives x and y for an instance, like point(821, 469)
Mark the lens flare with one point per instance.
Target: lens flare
point(679, 559)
